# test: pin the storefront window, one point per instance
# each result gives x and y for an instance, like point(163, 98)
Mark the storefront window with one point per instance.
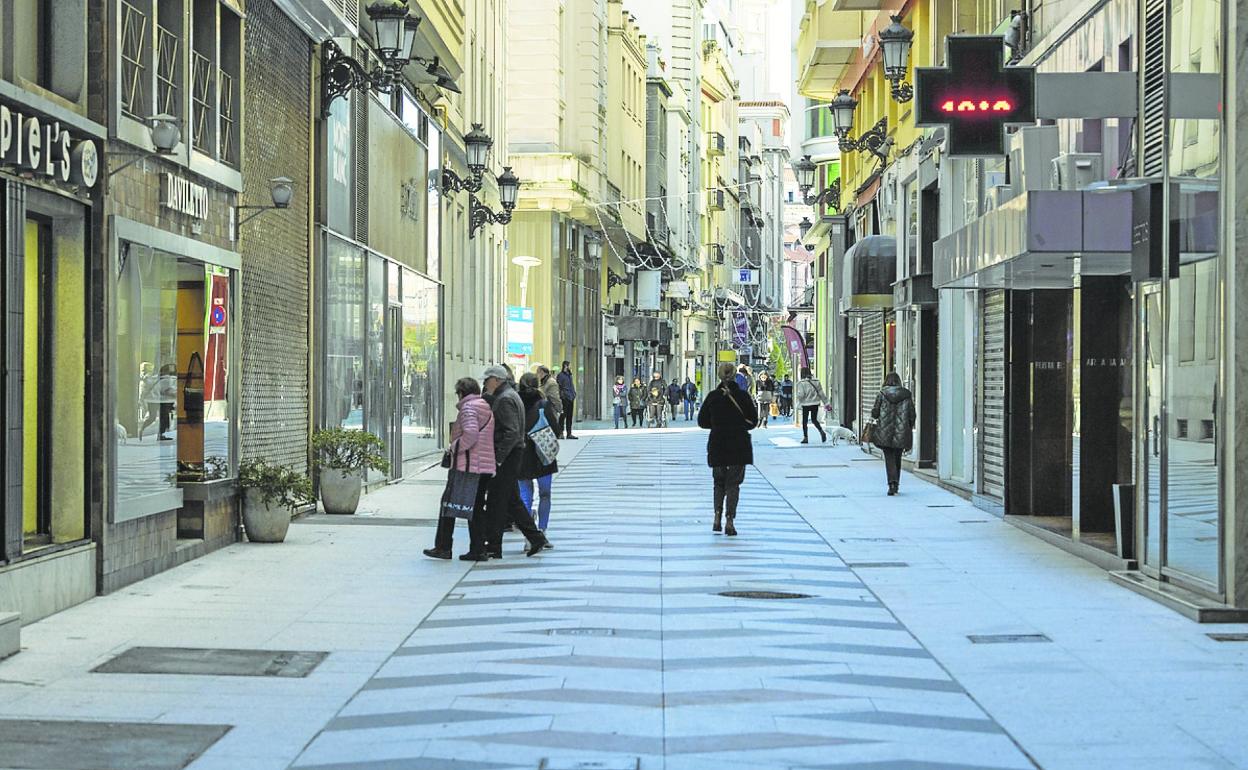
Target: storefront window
point(343, 308)
point(376, 366)
point(421, 365)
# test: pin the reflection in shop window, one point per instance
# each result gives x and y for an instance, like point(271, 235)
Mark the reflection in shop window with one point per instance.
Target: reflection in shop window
point(344, 335)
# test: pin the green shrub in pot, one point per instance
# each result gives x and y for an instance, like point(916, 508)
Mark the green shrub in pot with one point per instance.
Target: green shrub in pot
point(271, 493)
point(342, 456)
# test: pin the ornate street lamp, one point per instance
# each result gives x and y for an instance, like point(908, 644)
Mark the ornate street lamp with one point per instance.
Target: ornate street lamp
point(875, 140)
point(842, 109)
point(593, 245)
point(479, 214)
point(803, 227)
point(477, 145)
point(895, 41)
point(394, 35)
point(804, 170)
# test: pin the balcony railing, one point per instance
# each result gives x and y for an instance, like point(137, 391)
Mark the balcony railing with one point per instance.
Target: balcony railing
point(716, 144)
point(201, 103)
point(134, 74)
point(716, 200)
point(715, 253)
point(168, 73)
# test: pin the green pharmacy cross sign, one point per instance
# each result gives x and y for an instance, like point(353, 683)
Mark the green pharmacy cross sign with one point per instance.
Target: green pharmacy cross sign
point(976, 96)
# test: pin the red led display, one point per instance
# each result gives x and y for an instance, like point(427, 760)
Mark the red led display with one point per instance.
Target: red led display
point(981, 106)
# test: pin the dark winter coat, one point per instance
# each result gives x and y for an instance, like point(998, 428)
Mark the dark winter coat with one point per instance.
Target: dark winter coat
point(636, 397)
point(729, 414)
point(691, 391)
point(531, 465)
point(656, 393)
point(675, 393)
point(566, 389)
point(508, 421)
point(894, 418)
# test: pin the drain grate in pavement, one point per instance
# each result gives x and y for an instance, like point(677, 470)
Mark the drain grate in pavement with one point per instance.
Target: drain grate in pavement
point(38, 744)
point(581, 632)
point(1228, 637)
point(212, 662)
point(628, 763)
point(876, 564)
point(763, 595)
point(867, 540)
point(823, 495)
point(939, 506)
point(802, 477)
point(975, 521)
point(1008, 638)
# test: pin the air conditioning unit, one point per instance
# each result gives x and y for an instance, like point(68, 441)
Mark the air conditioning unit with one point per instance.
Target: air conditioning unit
point(1032, 150)
point(611, 335)
point(1077, 170)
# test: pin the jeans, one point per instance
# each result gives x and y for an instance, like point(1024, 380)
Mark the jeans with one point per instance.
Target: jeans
point(728, 480)
point(892, 465)
point(620, 414)
point(477, 526)
point(543, 503)
point(689, 409)
point(810, 414)
point(566, 418)
point(503, 505)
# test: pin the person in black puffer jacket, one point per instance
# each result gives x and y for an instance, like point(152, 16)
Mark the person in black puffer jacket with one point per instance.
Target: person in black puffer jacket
point(729, 414)
point(531, 467)
point(894, 426)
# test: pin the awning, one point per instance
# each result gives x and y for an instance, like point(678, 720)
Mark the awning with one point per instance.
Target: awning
point(870, 271)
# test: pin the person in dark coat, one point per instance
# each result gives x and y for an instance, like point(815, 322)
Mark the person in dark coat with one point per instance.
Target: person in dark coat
point(894, 426)
point(531, 467)
point(675, 394)
point(502, 498)
point(567, 393)
point(637, 401)
point(729, 414)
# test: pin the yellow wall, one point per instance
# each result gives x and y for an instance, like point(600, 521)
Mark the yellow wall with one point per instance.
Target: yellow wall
point(30, 385)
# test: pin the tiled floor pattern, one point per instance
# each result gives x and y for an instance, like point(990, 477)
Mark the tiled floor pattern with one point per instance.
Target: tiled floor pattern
point(616, 647)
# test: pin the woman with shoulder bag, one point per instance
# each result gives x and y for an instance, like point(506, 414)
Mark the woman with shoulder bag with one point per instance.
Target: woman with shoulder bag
point(766, 390)
point(619, 401)
point(471, 451)
point(636, 401)
point(532, 466)
point(809, 396)
point(893, 431)
point(729, 414)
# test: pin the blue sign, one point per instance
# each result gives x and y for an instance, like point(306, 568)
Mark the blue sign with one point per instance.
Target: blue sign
point(519, 330)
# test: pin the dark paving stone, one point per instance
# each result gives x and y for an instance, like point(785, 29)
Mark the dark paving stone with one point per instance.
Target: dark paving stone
point(365, 521)
point(591, 661)
point(493, 620)
point(723, 697)
point(438, 680)
point(415, 718)
point(212, 662)
point(905, 719)
point(862, 649)
point(409, 763)
point(879, 625)
point(36, 744)
point(465, 647)
point(891, 682)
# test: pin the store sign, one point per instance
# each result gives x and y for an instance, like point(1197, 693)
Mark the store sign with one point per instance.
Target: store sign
point(183, 195)
point(745, 277)
point(45, 148)
point(519, 330)
point(976, 96)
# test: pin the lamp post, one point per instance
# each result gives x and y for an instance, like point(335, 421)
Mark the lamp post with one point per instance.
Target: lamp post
point(895, 41)
point(804, 169)
point(525, 263)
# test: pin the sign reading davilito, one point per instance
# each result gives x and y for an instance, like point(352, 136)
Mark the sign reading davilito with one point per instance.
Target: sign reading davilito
point(183, 195)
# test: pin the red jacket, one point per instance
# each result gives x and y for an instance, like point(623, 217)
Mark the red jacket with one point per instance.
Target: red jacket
point(472, 436)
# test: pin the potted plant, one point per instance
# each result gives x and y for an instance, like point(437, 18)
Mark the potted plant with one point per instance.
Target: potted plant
point(342, 456)
point(271, 493)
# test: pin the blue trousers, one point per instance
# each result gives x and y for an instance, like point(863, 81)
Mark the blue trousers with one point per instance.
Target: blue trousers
point(543, 503)
point(621, 414)
point(688, 409)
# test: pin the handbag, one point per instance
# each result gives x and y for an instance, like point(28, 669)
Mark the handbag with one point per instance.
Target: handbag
point(543, 438)
point(459, 499)
point(775, 409)
point(867, 432)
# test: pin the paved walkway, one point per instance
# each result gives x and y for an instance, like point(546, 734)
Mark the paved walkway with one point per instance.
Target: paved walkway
point(617, 648)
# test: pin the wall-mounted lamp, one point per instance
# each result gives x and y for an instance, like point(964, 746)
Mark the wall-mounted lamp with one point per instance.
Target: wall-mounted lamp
point(477, 145)
point(875, 140)
point(281, 191)
point(895, 41)
point(165, 134)
point(479, 214)
point(804, 169)
point(593, 247)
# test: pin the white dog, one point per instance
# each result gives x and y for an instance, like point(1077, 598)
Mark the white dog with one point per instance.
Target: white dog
point(837, 432)
point(119, 432)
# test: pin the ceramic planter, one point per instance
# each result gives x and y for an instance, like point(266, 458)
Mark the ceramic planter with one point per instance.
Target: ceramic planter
point(264, 523)
point(340, 490)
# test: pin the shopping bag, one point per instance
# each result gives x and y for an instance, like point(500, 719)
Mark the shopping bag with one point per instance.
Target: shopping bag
point(775, 409)
point(460, 497)
point(543, 438)
point(867, 432)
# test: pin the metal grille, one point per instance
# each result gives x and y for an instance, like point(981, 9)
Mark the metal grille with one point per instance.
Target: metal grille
point(359, 125)
point(168, 72)
point(1153, 106)
point(201, 102)
point(229, 143)
point(133, 52)
point(350, 10)
point(871, 364)
point(992, 404)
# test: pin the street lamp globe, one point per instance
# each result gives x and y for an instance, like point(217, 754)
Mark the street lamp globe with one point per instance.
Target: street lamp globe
point(508, 188)
point(477, 146)
point(593, 242)
point(842, 109)
point(526, 261)
point(282, 189)
point(895, 42)
point(389, 19)
point(165, 133)
point(804, 170)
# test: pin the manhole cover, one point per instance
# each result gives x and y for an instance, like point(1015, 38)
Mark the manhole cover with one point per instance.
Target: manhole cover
point(1008, 638)
point(48, 744)
point(1228, 637)
point(763, 595)
point(212, 662)
point(582, 632)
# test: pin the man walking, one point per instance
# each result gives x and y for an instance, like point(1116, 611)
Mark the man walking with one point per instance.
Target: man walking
point(567, 395)
point(503, 502)
point(552, 393)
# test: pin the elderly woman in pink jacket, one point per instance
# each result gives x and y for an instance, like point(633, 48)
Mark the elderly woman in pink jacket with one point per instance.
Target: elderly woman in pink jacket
point(471, 451)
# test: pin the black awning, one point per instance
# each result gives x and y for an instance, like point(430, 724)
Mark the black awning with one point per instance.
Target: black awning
point(870, 271)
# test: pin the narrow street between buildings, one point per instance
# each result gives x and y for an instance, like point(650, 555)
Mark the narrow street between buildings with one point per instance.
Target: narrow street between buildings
point(842, 628)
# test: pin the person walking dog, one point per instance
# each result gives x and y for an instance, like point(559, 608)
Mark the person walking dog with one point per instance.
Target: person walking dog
point(809, 396)
point(893, 431)
point(729, 414)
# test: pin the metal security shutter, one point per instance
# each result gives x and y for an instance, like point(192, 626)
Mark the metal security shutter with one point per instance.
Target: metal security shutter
point(992, 400)
point(870, 364)
point(1153, 75)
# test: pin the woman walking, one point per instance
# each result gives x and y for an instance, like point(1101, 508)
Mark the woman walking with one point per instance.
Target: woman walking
point(766, 390)
point(636, 401)
point(810, 398)
point(472, 451)
point(619, 401)
point(531, 466)
point(894, 426)
point(729, 414)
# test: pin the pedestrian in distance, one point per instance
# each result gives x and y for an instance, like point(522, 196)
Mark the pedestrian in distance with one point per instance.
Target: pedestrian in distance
point(503, 504)
point(567, 393)
point(619, 401)
point(786, 396)
point(729, 414)
point(675, 394)
point(551, 392)
point(893, 431)
point(471, 451)
point(532, 469)
point(656, 402)
point(744, 379)
point(691, 399)
point(810, 397)
point(637, 401)
point(766, 390)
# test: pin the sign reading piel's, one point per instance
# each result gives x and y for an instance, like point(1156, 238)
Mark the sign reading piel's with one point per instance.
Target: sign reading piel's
point(47, 149)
